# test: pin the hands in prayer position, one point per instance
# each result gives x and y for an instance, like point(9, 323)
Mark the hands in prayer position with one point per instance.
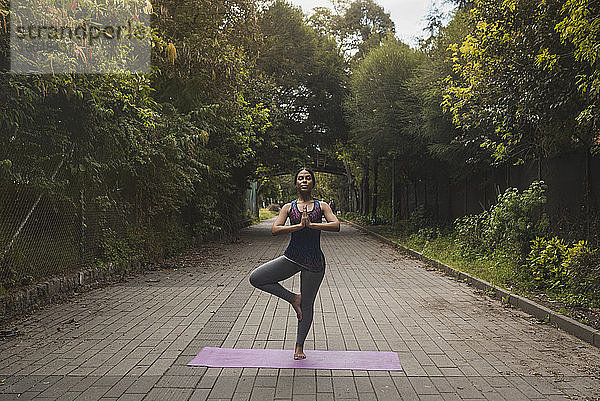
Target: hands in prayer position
point(305, 219)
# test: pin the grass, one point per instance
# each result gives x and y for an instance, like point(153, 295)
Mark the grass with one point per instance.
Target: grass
point(265, 214)
point(499, 268)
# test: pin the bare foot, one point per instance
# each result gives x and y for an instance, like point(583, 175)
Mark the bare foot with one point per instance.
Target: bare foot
point(296, 304)
point(299, 354)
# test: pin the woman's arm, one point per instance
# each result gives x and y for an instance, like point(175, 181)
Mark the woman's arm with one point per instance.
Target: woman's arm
point(279, 226)
point(333, 224)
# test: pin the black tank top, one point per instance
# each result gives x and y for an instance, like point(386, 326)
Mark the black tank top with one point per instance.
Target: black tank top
point(305, 245)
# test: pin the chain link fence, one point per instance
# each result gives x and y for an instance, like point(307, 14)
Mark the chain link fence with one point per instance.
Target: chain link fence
point(56, 226)
point(48, 232)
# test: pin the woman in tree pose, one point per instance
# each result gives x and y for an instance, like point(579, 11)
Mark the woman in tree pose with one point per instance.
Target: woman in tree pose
point(303, 254)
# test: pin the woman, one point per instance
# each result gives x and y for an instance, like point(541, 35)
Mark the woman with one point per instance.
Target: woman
point(303, 254)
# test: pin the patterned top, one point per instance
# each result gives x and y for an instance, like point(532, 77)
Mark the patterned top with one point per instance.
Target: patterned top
point(305, 245)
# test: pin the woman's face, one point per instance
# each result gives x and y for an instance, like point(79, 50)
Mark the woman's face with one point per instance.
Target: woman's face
point(304, 181)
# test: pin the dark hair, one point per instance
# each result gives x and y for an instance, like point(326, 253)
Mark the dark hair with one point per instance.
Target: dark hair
point(312, 175)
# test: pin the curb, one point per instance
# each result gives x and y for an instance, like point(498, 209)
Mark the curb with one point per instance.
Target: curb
point(571, 326)
point(55, 289)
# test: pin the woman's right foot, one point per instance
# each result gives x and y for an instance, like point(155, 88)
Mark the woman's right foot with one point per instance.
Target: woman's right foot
point(297, 305)
point(299, 354)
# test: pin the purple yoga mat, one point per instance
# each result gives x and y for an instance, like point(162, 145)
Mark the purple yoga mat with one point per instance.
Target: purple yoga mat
point(276, 358)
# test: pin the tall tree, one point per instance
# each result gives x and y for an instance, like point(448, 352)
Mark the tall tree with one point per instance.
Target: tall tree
point(512, 95)
point(357, 26)
point(581, 28)
point(446, 143)
point(308, 81)
point(384, 113)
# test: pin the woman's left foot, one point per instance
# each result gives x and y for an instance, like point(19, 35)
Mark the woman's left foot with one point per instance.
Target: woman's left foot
point(296, 304)
point(299, 354)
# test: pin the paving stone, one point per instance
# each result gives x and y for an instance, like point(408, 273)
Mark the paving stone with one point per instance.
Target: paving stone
point(304, 385)
point(135, 338)
point(224, 387)
point(424, 386)
point(262, 393)
point(200, 395)
point(92, 393)
point(284, 387)
point(177, 381)
point(162, 394)
point(142, 384)
point(344, 387)
point(324, 384)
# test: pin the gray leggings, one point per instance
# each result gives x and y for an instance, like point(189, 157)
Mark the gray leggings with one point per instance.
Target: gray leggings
point(267, 276)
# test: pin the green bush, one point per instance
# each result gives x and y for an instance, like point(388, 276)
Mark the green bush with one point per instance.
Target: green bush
point(471, 230)
point(545, 262)
point(510, 224)
point(556, 266)
point(365, 219)
point(516, 219)
point(418, 219)
point(583, 264)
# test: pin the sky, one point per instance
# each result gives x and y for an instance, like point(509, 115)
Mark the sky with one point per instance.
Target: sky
point(408, 15)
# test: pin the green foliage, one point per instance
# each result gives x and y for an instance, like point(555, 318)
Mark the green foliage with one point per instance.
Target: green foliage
point(368, 220)
point(305, 82)
point(556, 266)
point(512, 90)
point(454, 147)
point(274, 207)
point(510, 224)
point(358, 26)
point(545, 262)
point(516, 218)
point(162, 158)
point(418, 219)
point(583, 265)
point(383, 112)
point(581, 28)
point(267, 213)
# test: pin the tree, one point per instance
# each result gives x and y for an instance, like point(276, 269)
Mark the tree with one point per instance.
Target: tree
point(446, 143)
point(357, 26)
point(580, 27)
point(384, 113)
point(307, 78)
point(510, 92)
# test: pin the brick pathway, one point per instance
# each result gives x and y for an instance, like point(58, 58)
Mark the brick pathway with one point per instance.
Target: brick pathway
point(132, 340)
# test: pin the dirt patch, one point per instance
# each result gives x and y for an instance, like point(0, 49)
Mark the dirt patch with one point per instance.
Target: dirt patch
point(586, 315)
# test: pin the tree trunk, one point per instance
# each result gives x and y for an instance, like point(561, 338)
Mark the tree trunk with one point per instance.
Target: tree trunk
point(366, 191)
point(587, 192)
point(375, 190)
point(349, 177)
point(407, 203)
point(360, 194)
point(449, 209)
point(437, 199)
point(415, 189)
point(485, 181)
point(466, 197)
point(393, 192)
